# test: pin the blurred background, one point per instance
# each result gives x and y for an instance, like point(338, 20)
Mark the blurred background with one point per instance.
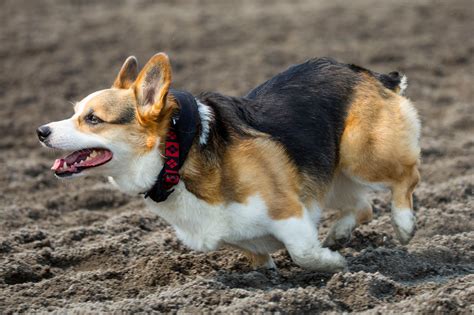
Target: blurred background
point(81, 245)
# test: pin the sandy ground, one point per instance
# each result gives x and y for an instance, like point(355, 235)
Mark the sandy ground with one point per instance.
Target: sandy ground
point(80, 245)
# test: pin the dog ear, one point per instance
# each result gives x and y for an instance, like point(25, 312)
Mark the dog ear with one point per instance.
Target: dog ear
point(152, 86)
point(127, 74)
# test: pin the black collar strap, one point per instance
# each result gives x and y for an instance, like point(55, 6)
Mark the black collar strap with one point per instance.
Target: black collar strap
point(183, 129)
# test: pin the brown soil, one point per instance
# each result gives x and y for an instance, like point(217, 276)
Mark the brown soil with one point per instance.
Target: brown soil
point(83, 246)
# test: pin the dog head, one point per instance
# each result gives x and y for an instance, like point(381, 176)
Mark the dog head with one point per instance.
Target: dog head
point(116, 132)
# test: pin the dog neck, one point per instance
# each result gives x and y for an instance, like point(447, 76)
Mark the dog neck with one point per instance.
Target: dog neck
point(141, 173)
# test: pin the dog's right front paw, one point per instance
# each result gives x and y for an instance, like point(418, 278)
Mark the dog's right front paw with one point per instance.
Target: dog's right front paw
point(325, 260)
point(335, 261)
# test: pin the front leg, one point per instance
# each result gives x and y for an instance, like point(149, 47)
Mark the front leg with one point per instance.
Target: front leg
point(300, 237)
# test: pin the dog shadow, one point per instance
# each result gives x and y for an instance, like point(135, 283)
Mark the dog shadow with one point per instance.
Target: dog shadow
point(394, 263)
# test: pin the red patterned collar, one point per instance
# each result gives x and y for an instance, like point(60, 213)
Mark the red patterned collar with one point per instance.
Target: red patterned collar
point(180, 137)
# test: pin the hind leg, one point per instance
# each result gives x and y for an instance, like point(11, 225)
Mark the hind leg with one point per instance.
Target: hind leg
point(341, 231)
point(350, 197)
point(402, 180)
point(380, 145)
point(403, 218)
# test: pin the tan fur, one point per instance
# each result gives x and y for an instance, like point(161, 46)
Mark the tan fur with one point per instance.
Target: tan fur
point(127, 74)
point(364, 216)
point(402, 190)
point(256, 260)
point(375, 145)
point(151, 89)
point(239, 176)
point(279, 187)
point(108, 105)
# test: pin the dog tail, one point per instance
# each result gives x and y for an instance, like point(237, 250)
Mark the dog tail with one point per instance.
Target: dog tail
point(394, 81)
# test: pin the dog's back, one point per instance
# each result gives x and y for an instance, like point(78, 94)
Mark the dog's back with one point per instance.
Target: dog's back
point(305, 109)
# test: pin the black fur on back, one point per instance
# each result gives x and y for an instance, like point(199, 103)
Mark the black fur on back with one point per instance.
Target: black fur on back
point(304, 108)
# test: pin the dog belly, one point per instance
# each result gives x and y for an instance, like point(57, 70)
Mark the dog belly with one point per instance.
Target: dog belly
point(205, 227)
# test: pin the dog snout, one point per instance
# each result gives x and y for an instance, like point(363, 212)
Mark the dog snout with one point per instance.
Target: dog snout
point(43, 132)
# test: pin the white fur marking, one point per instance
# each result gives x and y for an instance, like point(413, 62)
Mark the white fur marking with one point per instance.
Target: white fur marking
point(411, 115)
point(206, 116)
point(404, 222)
point(66, 136)
point(404, 218)
point(403, 84)
point(141, 171)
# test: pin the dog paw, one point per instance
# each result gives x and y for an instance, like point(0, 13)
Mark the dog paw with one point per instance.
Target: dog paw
point(333, 262)
point(335, 242)
point(340, 234)
point(270, 265)
point(404, 223)
point(325, 260)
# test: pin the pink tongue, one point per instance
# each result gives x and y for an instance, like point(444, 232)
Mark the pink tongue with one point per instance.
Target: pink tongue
point(58, 163)
point(79, 157)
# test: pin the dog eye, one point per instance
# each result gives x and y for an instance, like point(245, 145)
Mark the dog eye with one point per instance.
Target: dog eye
point(93, 119)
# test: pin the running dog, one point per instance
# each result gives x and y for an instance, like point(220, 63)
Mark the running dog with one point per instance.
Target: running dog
point(252, 172)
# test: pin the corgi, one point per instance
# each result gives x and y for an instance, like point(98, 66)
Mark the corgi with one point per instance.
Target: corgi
point(252, 172)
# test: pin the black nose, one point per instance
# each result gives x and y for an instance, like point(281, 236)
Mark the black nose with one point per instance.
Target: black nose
point(43, 132)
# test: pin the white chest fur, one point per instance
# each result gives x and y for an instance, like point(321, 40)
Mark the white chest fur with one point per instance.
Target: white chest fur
point(205, 227)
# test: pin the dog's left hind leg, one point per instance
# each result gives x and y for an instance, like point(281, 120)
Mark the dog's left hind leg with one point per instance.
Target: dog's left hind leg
point(351, 199)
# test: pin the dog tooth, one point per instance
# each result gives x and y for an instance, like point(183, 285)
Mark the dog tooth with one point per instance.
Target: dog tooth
point(65, 165)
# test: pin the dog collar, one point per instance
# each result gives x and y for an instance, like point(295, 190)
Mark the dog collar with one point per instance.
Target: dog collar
point(179, 139)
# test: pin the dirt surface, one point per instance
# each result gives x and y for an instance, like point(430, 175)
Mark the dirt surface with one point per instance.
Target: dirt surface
point(80, 245)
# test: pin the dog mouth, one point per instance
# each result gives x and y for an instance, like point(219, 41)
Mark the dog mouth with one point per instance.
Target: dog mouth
point(80, 160)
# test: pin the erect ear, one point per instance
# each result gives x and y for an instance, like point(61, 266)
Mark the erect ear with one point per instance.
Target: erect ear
point(152, 86)
point(127, 75)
